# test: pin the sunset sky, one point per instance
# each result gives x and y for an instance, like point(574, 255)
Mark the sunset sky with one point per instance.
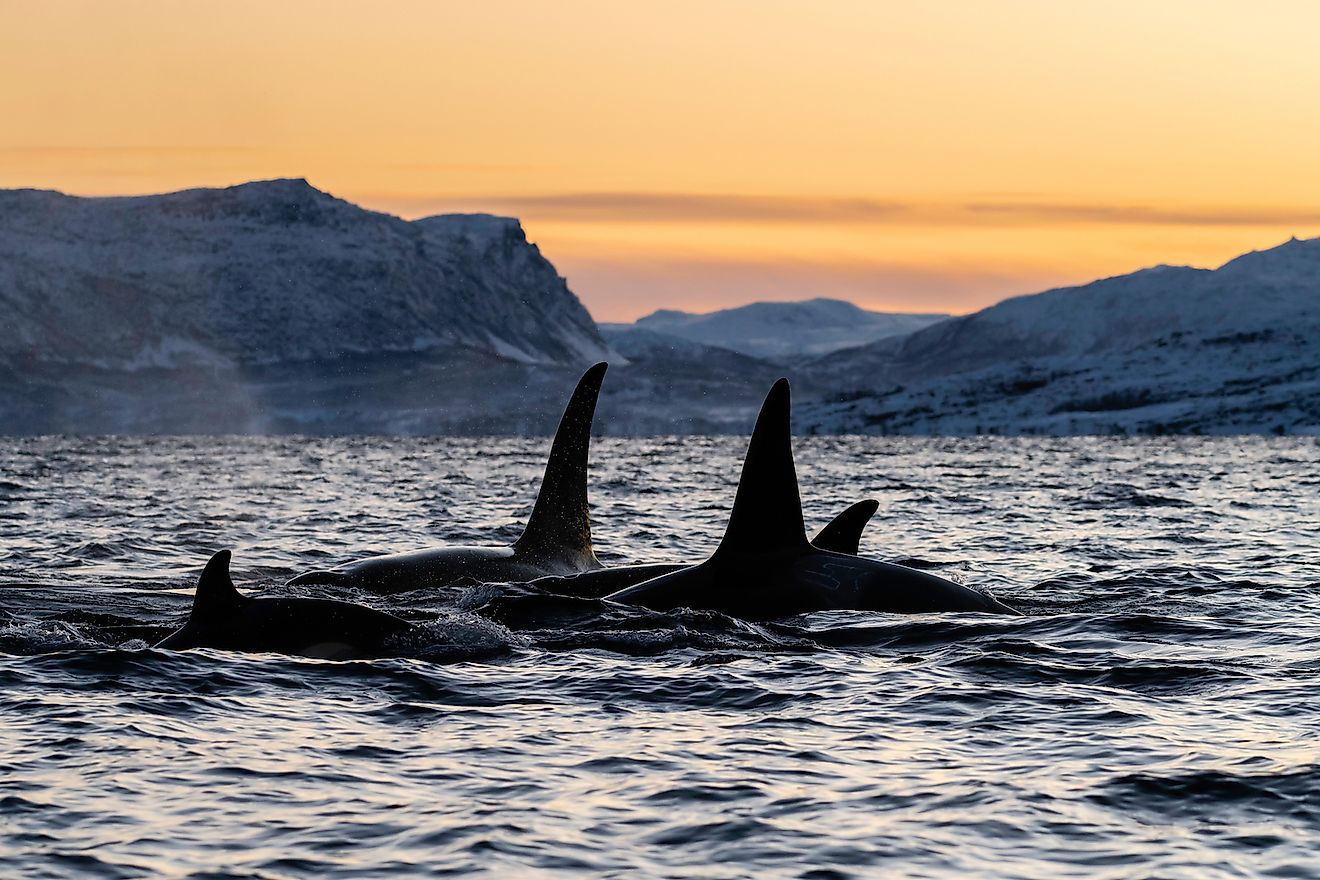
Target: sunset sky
point(907, 156)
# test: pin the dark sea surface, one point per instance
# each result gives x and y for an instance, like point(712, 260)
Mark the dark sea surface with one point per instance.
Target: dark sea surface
point(1155, 713)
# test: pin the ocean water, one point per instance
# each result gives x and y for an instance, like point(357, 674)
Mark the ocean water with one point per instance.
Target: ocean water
point(1153, 714)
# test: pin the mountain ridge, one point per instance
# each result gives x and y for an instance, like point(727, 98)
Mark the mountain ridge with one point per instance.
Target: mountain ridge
point(271, 271)
point(783, 330)
point(1159, 350)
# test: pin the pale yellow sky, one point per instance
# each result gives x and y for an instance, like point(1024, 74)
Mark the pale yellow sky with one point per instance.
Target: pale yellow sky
point(913, 156)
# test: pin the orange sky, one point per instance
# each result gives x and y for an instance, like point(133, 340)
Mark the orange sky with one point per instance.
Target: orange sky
point(910, 156)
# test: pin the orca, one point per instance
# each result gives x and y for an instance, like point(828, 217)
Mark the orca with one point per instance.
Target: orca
point(842, 534)
point(765, 568)
point(556, 540)
point(224, 618)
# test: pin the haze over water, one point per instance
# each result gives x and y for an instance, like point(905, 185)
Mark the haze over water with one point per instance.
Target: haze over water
point(1152, 714)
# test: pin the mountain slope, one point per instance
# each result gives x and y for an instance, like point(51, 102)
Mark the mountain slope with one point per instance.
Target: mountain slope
point(269, 272)
point(1174, 349)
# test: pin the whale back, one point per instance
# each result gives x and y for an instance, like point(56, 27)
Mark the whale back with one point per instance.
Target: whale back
point(843, 534)
point(767, 510)
point(224, 618)
point(560, 523)
point(764, 567)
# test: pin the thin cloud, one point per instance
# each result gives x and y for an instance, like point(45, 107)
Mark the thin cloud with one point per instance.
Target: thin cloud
point(1141, 215)
point(687, 208)
point(652, 207)
point(643, 207)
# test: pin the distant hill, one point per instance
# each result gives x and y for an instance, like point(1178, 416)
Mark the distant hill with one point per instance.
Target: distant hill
point(782, 331)
point(1168, 349)
point(673, 385)
point(273, 306)
point(270, 272)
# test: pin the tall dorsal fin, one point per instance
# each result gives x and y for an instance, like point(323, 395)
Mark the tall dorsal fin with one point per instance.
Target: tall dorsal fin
point(216, 593)
point(767, 511)
point(559, 520)
point(844, 532)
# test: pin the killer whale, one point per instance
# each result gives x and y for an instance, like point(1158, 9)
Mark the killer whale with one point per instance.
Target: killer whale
point(842, 534)
point(556, 540)
point(224, 618)
point(764, 567)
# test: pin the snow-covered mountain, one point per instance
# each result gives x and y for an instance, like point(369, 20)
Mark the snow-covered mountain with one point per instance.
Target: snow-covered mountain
point(782, 331)
point(273, 307)
point(1168, 349)
point(270, 272)
point(674, 385)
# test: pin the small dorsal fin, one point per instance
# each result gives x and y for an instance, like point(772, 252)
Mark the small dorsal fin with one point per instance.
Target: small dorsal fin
point(767, 511)
point(844, 532)
point(560, 520)
point(216, 593)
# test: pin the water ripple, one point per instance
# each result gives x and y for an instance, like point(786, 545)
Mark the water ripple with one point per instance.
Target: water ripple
point(1153, 714)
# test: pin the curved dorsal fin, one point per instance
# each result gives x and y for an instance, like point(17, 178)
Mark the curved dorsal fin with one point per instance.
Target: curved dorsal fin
point(216, 593)
point(843, 534)
point(767, 511)
point(559, 520)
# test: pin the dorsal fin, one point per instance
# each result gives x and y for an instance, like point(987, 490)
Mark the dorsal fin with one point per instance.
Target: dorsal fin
point(559, 520)
point(767, 511)
point(844, 532)
point(216, 593)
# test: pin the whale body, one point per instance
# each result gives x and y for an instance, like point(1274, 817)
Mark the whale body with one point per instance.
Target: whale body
point(224, 618)
point(765, 568)
point(842, 534)
point(556, 540)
